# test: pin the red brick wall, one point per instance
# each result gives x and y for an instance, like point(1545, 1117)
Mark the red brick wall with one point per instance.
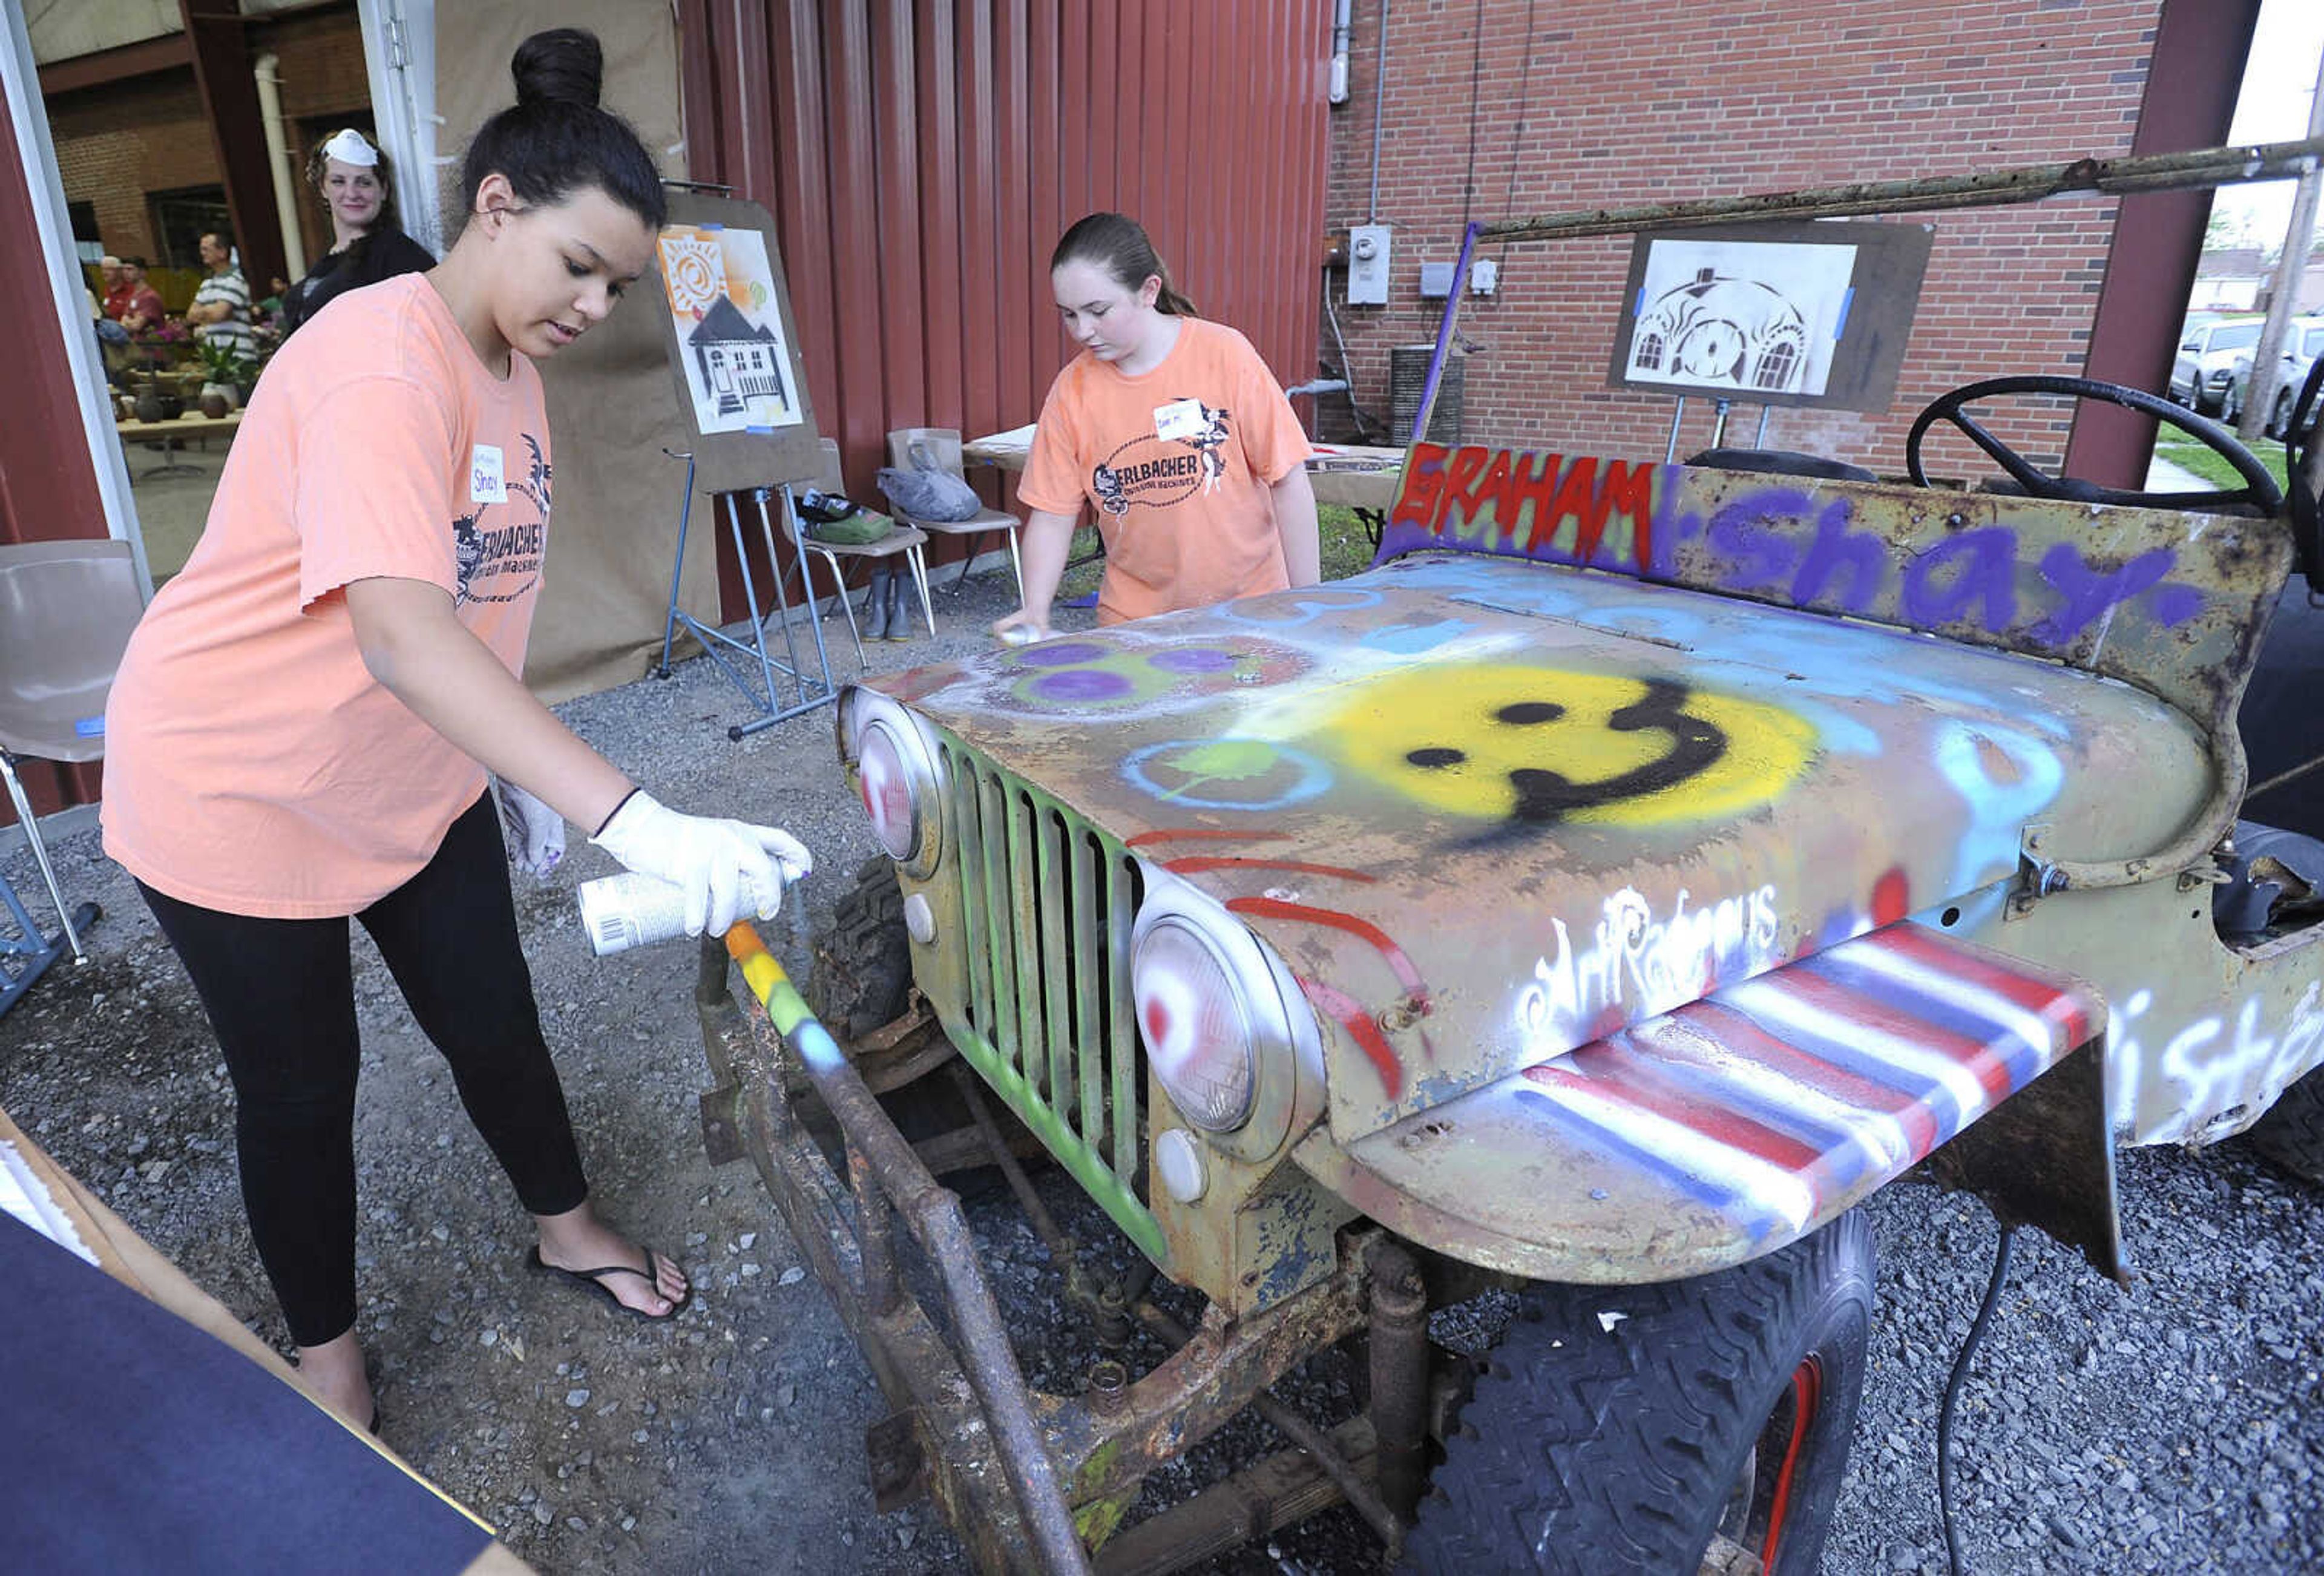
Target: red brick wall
point(1629, 103)
point(117, 142)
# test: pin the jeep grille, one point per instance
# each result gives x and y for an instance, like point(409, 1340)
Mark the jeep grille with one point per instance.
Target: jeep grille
point(1046, 905)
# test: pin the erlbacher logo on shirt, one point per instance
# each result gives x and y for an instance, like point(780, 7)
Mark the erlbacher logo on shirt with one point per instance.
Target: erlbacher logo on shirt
point(486, 556)
point(1151, 472)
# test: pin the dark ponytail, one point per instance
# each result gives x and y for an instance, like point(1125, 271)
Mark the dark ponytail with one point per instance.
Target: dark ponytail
point(1120, 245)
point(556, 140)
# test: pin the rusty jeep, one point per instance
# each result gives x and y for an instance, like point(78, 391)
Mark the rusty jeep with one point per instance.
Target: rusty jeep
point(1634, 869)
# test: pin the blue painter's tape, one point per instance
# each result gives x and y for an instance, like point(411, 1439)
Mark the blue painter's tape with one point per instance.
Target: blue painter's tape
point(709, 227)
point(1640, 310)
point(89, 727)
point(762, 431)
point(1847, 299)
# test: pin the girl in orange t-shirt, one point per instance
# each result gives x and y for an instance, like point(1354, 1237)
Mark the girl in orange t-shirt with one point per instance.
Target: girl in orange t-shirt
point(1176, 435)
point(303, 724)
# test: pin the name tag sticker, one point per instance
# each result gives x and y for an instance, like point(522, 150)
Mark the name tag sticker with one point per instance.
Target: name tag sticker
point(1179, 421)
point(486, 484)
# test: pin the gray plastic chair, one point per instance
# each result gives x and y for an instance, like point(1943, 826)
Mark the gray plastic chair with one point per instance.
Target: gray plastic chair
point(66, 611)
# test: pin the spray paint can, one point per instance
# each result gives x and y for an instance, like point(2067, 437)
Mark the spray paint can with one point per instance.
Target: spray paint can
point(620, 912)
point(1022, 635)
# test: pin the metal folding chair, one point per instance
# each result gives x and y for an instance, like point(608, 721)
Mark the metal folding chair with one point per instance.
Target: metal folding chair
point(942, 443)
point(66, 611)
point(906, 540)
point(808, 690)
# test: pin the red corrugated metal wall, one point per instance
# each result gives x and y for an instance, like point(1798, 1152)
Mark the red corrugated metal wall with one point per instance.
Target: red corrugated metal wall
point(921, 160)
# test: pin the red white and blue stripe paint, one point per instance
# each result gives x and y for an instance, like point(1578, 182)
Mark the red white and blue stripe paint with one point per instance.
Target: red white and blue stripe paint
point(1778, 1102)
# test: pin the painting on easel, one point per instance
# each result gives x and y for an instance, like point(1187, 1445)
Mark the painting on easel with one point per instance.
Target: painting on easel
point(723, 298)
point(1786, 312)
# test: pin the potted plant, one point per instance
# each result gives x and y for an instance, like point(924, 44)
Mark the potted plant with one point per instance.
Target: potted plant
point(225, 371)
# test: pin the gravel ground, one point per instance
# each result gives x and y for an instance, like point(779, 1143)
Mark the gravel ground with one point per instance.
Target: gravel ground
point(2173, 1426)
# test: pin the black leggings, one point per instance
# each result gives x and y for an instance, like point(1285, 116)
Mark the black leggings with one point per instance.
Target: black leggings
point(281, 995)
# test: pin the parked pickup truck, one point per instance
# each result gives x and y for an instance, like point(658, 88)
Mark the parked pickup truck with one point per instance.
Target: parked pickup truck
point(1635, 869)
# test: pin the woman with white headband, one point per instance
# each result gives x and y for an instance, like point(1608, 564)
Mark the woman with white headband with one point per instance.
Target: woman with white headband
point(367, 244)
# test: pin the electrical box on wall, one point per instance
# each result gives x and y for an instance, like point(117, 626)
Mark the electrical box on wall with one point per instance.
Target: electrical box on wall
point(1484, 277)
point(1367, 254)
point(1436, 281)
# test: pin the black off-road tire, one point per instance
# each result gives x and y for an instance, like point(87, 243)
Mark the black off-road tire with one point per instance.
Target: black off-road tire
point(2292, 1133)
point(862, 975)
point(1596, 1444)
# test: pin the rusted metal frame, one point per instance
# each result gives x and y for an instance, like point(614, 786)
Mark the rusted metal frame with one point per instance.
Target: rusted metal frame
point(1361, 1497)
point(875, 1233)
point(1204, 1384)
point(2200, 166)
point(902, 1051)
point(932, 1215)
point(917, 1369)
point(2044, 1157)
point(1280, 1491)
point(1398, 1362)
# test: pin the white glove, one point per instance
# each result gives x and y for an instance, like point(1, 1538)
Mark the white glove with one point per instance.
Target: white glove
point(718, 864)
point(535, 834)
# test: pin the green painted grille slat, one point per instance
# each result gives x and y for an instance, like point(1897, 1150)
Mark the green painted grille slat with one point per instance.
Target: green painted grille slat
point(1123, 1026)
point(1024, 894)
point(961, 779)
point(1057, 970)
point(1089, 1030)
point(991, 799)
point(1046, 905)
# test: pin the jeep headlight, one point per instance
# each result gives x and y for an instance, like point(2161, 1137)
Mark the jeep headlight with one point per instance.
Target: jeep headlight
point(1221, 1020)
point(896, 778)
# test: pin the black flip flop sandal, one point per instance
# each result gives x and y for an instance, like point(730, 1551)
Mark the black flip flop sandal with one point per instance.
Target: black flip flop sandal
point(594, 1280)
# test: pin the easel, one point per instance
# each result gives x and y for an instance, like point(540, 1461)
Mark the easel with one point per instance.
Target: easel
point(1720, 407)
point(809, 691)
point(732, 350)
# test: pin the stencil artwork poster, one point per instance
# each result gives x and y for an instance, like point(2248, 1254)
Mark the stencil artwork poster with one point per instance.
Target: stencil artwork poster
point(730, 327)
point(1741, 317)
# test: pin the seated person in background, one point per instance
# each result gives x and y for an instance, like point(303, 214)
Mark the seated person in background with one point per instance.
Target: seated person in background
point(109, 334)
point(116, 286)
point(367, 242)
point(220, 314)
point(140, 303)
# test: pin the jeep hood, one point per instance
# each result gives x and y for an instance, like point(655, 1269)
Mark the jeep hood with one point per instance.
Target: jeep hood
point(1489, 811)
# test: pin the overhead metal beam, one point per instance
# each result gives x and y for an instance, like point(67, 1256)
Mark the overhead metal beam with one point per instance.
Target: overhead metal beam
point(117, 65)
point(2203, 167)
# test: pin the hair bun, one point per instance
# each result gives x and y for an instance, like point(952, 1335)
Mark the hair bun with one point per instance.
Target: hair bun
point(564, 65)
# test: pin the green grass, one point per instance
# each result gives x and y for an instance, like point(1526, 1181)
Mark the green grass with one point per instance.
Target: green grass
point(1347, 547)
point(2208, 463)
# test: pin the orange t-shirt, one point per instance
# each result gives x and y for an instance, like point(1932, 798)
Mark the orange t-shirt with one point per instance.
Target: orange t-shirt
point(1177, 462)
point(252, 764)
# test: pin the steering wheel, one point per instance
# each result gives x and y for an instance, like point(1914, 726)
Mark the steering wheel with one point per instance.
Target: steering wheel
point(2259, 488)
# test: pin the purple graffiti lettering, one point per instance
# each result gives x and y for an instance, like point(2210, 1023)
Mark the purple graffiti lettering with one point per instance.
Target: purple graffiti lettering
point(1986, 560)
point(1861, 555)
point(1751, 534)
point(2091, 594)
